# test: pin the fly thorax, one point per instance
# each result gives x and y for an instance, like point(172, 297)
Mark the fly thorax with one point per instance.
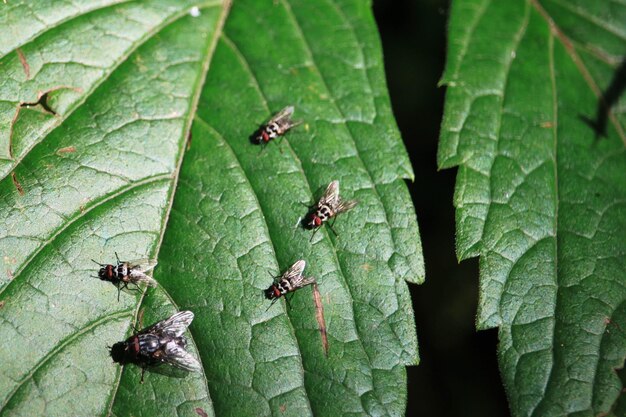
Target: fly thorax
point(324, 212)
point(122, 270)
point(149, 343)
point(284, 286)
point(273, 130)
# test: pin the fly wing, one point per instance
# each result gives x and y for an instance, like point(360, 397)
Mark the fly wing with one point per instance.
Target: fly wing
point(174, 327)
point(137, 270)
point(302, 281)
point(177, 356)
point(345, 205)
point(283, 119)
point(295, 271)
point(282, 116)
point(137, 276)
point(143, 264)
point(331, 195)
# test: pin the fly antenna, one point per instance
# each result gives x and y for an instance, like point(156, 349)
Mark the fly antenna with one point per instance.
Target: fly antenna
point(118, 258)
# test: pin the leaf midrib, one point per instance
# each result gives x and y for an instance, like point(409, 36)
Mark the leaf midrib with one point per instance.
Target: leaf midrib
point(226, 4)
point(554, 352)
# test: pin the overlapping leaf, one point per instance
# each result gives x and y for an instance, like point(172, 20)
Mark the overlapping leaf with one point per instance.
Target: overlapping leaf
point(540, 195)
point(96, 166)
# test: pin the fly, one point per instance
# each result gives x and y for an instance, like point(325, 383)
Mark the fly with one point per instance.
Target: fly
point(163, 342)
point(289, 281)
point(127, 272)
point(328, 207)
point(277, 126)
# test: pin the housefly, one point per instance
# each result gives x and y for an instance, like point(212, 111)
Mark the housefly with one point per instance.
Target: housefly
point(289, 281)
point(127, 272)
point(160, 343)
point(277, 126)
point(328, 207)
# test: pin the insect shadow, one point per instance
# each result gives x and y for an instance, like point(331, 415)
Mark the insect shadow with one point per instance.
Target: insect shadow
point(608, 99)
point(168, 371)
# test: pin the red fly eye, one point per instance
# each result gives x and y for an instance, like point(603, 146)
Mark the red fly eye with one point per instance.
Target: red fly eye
point(136, 344)
point(276, 292)
point(266, 137)
point(317, 220)
point(109, 271)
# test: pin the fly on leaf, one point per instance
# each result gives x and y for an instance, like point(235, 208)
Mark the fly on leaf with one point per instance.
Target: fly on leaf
point(124, 273)
point(328, 207)
point(277, 126)
point(161, 343)
point(289, 281)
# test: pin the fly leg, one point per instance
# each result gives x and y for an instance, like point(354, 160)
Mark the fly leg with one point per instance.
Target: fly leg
point(314, 232)
point(280, 142)
point(263, 146)
point(288, 300)
point(332, 228)
point(271, 304)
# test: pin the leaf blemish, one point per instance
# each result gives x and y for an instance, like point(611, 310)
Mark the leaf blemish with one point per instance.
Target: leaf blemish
point(17, 183)
point(24, 63)
point(67, 149)
point(319, 315)
point(140, 318)
point(201, 412)
point(43, 102)
point(189, 138)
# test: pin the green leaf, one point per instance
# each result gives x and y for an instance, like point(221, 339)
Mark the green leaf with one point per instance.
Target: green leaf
point(108, 161)
point(539, 197)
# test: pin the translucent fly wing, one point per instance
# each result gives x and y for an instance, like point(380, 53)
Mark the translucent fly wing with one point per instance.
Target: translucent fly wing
point(174, 327)
point(302, 281)
point(331, 195)
point(143, 264)
point(180, 358)
point(282, 116)
point(295, 271)
point(138, 276)
point(283, 120)
point(344, 206)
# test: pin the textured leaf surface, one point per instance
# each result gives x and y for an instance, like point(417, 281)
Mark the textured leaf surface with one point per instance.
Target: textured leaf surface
point(539, 196)
point(108, 161)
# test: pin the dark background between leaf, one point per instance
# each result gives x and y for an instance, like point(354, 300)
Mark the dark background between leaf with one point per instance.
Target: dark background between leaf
point(458, 373)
